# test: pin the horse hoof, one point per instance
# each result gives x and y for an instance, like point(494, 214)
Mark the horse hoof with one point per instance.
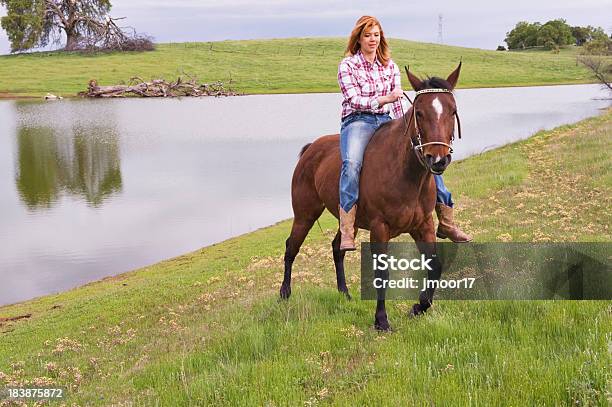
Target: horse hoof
point(382, 326)
point(285, 292)
point(416, 311)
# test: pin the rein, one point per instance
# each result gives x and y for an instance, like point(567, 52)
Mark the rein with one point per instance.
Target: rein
point(418, 148)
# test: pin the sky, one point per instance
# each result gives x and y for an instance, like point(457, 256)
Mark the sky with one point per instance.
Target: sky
point(469, 23)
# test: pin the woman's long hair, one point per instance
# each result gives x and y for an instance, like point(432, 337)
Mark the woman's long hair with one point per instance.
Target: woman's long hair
point(367, 22)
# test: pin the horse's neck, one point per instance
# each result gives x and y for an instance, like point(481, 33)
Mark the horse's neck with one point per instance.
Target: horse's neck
point(409, 177)
point(404, 170)
point(412, 169)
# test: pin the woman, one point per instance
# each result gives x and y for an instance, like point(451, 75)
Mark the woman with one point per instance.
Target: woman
point(371, 87)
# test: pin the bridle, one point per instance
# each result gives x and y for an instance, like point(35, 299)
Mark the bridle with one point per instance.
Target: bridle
point(418, 148)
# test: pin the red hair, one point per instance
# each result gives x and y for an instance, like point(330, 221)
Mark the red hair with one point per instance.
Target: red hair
point(365, 23)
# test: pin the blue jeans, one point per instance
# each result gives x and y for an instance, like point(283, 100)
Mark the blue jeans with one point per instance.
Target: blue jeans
point(355, 134)
point(443, 195)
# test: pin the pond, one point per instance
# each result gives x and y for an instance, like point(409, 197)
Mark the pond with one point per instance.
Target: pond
point(93, 188)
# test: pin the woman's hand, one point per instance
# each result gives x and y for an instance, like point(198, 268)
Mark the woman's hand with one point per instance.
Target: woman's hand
point(394, 96)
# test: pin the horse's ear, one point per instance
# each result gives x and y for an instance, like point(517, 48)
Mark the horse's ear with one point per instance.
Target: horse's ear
point(416, 83)
point(454, 77)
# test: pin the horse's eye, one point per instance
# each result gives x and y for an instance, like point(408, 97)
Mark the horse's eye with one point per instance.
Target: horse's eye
point(419, 114)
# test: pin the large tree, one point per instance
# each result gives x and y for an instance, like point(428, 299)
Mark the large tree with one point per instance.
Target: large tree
point(555, 34)
point(589, 33)
point(523, 35)
point(552, 35)
point(35, 23)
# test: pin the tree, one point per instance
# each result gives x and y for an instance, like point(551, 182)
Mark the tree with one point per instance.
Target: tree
point(555, 34)
point(587, 34)
point(580, 34)
point(546, 37)
point(34, 23)
point(596, 57)
point(523, 35)
point(600, 67)
point(599, 46)
point(85, 23)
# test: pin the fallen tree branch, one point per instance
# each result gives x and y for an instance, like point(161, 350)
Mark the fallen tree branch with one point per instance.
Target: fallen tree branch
point(157, 88)
point(12, 319)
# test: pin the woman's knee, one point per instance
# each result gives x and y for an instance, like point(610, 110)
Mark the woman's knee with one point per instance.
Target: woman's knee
point(355, 142)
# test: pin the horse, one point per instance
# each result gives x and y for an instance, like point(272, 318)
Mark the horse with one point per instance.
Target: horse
point(397, 191)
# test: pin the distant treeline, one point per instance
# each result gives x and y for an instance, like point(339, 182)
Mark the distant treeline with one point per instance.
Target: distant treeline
point(555, 34)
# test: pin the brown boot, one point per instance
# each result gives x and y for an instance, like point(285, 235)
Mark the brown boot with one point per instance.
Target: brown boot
point(347, 228)
point(447, 227)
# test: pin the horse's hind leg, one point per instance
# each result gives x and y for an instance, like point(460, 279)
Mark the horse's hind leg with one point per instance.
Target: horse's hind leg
point(339, 265)
point(302, 223)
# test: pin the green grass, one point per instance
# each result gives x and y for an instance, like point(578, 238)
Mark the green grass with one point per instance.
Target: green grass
point(277, 66)
point(206, 328)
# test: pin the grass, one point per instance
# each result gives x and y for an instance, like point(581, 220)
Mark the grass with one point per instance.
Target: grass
point(277, 66)
point(206, 328)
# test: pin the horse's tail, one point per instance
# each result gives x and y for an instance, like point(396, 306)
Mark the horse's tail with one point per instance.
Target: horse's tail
point(303, 150)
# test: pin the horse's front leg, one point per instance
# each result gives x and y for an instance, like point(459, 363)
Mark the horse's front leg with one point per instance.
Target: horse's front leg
point(379, 237)
point(425, 238)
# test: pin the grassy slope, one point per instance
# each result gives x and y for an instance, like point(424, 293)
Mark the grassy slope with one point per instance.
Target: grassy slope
point(207, 328)
point(277, 66)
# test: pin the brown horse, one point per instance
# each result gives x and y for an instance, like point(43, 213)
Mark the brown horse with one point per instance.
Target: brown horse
point(397, 192)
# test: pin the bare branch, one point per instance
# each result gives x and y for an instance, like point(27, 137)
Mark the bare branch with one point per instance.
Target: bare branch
point(600, 67)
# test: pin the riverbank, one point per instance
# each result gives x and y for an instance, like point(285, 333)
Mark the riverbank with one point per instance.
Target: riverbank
point(300, 65)
point(206, 328)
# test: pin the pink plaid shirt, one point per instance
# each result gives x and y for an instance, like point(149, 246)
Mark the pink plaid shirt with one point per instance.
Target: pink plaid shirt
point(362, 82)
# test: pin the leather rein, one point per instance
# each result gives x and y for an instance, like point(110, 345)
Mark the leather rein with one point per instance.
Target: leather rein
point(418, 148)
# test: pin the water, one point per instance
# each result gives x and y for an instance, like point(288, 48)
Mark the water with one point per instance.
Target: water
point(93, 188)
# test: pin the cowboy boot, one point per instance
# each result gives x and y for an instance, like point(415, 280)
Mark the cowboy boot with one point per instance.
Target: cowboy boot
point(347, 228)
point(447, 227)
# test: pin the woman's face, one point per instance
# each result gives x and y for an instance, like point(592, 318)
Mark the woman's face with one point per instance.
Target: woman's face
point(370, 38)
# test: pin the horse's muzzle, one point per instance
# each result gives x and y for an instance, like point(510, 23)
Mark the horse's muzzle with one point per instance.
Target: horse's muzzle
point(438, 164)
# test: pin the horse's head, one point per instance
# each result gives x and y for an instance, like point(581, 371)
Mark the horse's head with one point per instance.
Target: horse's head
point(433, 113)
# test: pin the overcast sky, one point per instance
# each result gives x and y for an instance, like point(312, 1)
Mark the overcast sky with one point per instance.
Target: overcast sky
point(470, 23)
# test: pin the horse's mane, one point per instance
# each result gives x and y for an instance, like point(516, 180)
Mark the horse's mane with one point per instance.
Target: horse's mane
point(436, 83)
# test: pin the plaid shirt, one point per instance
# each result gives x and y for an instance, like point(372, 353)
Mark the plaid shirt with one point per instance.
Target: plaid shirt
point(362, 82)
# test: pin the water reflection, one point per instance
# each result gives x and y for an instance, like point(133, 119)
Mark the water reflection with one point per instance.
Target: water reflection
point(37, 170)
point(49, 163)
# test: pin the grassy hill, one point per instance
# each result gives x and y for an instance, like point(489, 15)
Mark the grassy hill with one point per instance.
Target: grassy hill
point(207, 328)
point(276, 66)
